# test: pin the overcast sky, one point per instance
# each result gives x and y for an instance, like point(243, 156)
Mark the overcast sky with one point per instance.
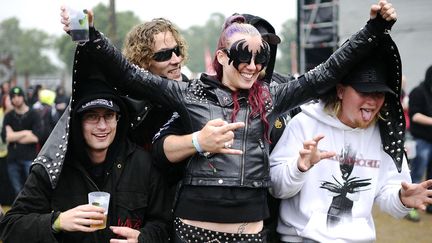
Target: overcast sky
point(45, 14)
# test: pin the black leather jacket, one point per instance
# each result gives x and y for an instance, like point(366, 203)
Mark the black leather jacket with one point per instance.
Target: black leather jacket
point(204, 99)
point(60, 180)
point(137, 201)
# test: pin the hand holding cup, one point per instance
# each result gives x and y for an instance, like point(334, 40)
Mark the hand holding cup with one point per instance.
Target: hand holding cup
point(100, 199)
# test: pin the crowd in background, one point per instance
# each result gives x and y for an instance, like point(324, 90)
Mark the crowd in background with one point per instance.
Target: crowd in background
point(48, 105)
point(206, 196)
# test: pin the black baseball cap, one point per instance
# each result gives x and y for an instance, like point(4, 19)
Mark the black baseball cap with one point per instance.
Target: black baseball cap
point(369, 76)
point(99, 103)
point(16, 91)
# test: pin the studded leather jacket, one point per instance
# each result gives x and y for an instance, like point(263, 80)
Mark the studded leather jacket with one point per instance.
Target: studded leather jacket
point(204, 99)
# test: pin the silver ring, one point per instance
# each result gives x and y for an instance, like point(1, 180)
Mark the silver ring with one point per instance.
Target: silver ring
point(227, 145)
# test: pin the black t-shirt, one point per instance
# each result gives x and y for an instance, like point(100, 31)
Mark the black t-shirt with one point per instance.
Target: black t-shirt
point(27, 121)
point(420, 101)
point(222, 204)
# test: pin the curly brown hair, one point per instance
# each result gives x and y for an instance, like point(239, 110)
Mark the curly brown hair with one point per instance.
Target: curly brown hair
point(138, 43)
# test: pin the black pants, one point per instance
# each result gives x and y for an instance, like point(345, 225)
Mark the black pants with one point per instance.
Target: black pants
point(6, 191)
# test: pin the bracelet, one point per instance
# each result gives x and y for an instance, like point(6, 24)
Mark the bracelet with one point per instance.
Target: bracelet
point(195, 142)
point(56, 225)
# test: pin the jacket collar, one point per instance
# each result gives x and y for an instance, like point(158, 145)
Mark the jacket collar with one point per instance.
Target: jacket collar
point(53, 153)
point(392, 126)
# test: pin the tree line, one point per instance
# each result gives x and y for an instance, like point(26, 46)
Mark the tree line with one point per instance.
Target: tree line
point(28, 48)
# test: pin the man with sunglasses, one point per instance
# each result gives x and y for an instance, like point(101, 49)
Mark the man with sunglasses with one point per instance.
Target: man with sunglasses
point(158, 47)
point(89, 151)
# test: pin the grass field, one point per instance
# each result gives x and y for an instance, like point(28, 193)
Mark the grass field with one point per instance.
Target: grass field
point(391, 230)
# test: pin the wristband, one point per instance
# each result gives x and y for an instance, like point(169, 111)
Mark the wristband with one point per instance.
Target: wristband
point(56, 225)
point(195, 142)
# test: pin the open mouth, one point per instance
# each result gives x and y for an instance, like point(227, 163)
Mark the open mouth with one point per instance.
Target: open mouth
point(366, 114)
point(101, 136)
point(247, 75)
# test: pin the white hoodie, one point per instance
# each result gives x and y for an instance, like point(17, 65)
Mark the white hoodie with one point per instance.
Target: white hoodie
point(332, 202)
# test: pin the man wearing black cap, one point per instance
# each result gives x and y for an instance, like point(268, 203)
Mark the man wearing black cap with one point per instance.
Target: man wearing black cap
point(87, 151)
point(21, 131)
point(343, 154)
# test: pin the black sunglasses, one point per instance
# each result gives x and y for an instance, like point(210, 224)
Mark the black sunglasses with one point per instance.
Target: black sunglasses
point(165, 55)
point(239, 53)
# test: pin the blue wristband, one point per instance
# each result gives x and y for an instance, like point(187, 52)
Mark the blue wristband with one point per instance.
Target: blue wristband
point(195, 142)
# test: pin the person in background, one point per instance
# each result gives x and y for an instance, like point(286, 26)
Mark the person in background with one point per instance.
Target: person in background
point(89, 151)
point(5, 104)
point(346, 153)
point(21, 131)
point(33, 94)
point(404, 98)
point(409, 142)
point(61, 101)
point(47, 114)
point(158, 47)
point(420, 113)
point(5, 107)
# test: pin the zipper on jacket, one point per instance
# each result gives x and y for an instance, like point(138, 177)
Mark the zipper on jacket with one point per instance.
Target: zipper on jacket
point(88, 177)
point(244, 146)
point(92, 182)
point(85, 173)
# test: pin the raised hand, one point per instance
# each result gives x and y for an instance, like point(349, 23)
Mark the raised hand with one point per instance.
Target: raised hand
point(310, 154)
point(217, 136)
point(416, 195)
point(386, 10)
point(66, 21)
